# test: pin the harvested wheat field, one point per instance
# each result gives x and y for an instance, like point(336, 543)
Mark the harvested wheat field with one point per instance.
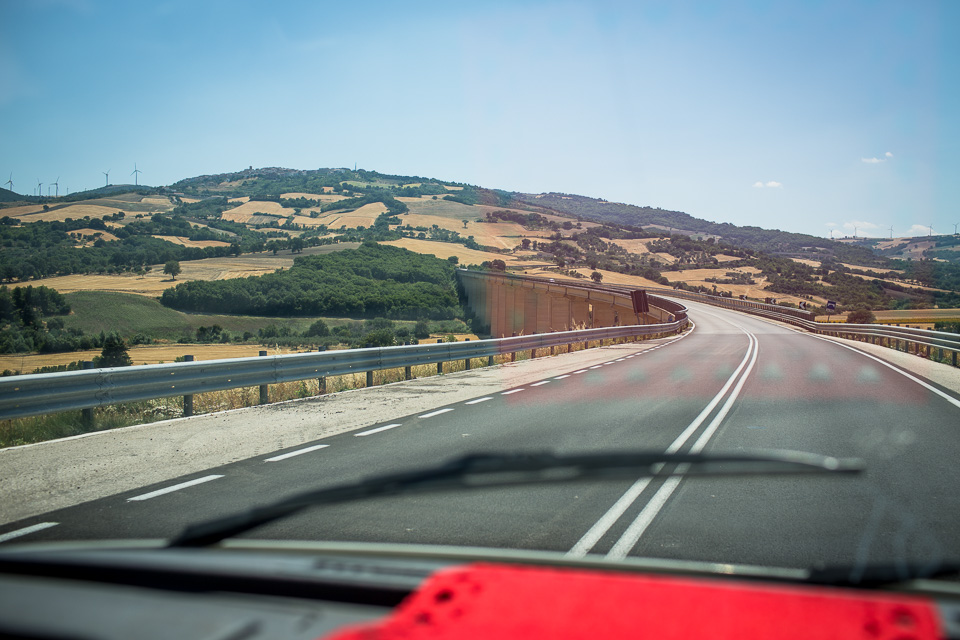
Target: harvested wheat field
point(19, 212)
point(106, 235)
point(364, 216)
point(188, 199)
point(247, 210)
point(187, 242)
point(153, 283)
point(322, 197)
point(446, 249)
point(152, 354)
point(74, 211)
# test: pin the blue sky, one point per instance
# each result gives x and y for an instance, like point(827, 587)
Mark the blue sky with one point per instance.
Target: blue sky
point(803, 116)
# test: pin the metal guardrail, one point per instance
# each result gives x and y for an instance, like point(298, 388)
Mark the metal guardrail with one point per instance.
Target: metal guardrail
point(37, 394)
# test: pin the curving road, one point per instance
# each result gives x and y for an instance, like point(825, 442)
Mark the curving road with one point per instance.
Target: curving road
point(736, 382)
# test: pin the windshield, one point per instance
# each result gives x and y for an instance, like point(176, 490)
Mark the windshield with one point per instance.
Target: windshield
point(252, 251)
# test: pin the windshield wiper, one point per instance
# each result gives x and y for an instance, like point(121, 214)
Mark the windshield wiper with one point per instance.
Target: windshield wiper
point(498, 470)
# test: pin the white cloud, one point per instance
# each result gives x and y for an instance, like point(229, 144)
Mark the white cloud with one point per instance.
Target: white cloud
point(832, 225)
point(886, 156)
point(919, 230)
point(772, 184)
point(758, 184)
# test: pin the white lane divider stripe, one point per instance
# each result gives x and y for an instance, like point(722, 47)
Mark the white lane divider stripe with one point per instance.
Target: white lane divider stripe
point(377, 430)
point(479, 400)
point(436, 413)
point(176, 487)
point(600, 528)
point(596, 366)
point(27, 530)
point(537, 384)
point(298, 452)
point(632, 535)
point(581, 371)
point(506, 393)
point(566, 375)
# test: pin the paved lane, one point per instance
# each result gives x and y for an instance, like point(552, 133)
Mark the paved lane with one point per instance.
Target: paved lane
point(735, 383)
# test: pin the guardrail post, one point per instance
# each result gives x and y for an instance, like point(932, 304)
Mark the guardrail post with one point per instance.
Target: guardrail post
point(369, 379)
point(489, 361)
point(466, 363)
point(188, 399)
point(86, 415)
point(513, 356)
point(322, 385)
point(264, 396)
point(954, 358)
point(439, 368)
point(407, 373)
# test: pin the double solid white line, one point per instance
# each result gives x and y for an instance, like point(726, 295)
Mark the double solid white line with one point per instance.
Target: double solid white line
point(632, 535)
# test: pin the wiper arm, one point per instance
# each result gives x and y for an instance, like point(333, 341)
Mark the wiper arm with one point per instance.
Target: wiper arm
point(499, 470)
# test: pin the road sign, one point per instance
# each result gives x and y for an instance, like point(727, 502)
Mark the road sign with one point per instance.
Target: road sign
point(831, 305)
point(640, 304)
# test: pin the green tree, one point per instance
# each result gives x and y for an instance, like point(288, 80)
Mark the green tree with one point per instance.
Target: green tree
point(421, 330)
point(861, 316)
point(114, 353)
point(318, 329)
point(172, 269)
point(596, 276)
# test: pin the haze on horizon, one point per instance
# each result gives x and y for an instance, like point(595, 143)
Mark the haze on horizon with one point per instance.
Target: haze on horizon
point(804, 116)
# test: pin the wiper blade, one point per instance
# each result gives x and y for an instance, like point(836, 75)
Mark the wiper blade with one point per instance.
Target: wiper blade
point(498, 470)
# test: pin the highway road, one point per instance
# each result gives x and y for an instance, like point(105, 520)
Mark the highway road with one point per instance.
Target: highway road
point(735, 383)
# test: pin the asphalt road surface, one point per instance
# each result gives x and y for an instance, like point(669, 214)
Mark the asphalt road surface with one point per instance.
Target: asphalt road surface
point(735, 383)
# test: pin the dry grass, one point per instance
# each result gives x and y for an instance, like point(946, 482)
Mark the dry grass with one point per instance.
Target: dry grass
point(721, 258)
point(187, 242)
point(152, 354)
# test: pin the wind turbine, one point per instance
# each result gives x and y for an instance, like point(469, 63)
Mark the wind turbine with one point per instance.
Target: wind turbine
point(57, 185)
point(954, 224)
point(891, 233)
point(107, 174)
point(930, 226)
point(39, 188)
point(854, 232)
point(10, 183)
point(135, 173)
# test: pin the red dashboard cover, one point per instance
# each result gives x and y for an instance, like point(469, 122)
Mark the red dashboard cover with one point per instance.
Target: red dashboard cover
point(499, 601)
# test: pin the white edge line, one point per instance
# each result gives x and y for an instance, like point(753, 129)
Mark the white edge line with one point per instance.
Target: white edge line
point(377, 430)
point(479, 400)
point(436, 413)
point(27, 530)
point(889, 365)
point(176, 487)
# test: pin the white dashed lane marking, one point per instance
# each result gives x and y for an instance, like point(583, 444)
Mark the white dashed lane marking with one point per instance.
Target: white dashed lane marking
point(378, 430)
point(506, 393)
point(436, 413)
point(176, 487)
point(479, 400)
point(10, 535)
point(537, 384)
